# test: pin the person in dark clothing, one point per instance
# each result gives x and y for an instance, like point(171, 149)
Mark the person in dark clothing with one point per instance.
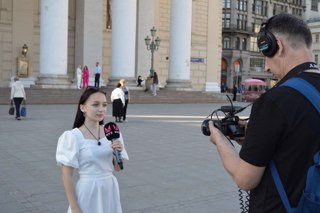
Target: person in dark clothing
point(139, 81)
point(117, 99)
point(283, 126)
point(234, 92)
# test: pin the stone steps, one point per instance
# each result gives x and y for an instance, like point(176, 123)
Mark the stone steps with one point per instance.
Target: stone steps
point(71, 96)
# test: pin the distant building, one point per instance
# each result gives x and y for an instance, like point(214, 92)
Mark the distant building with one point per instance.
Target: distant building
point(240, 25)
point(313, 20)
point(62, 34)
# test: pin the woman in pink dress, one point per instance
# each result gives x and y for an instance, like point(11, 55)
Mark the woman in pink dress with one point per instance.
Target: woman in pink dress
point(85, 77)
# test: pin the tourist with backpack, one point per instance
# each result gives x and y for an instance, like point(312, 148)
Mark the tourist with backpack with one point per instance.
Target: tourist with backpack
point(283, 130)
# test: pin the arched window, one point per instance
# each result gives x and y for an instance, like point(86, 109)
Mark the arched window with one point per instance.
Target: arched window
point(244, 44)
point(226, 42)
point(238, 43)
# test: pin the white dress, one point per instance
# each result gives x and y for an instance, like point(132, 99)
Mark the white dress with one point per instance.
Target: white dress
point(97, 189)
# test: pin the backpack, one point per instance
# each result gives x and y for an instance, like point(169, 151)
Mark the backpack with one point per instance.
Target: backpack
point(310, 199)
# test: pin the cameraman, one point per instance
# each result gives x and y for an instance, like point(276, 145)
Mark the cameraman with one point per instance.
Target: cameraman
point(283, 125)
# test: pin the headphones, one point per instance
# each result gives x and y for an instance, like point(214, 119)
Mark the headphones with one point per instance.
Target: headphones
point(267, 42)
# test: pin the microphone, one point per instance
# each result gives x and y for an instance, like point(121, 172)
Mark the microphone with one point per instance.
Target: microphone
point(111, 130)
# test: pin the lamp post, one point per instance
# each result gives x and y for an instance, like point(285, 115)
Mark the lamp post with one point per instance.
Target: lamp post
point(24, 50)
point(152, 45)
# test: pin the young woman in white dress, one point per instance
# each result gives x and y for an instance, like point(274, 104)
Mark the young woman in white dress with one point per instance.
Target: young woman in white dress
point(86, 149)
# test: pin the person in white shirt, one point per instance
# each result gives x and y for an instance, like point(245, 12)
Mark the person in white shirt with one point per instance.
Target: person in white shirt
point(97, 75)
point(17, 95)
point(79, 76)
point(125, 90)
point(118, 101)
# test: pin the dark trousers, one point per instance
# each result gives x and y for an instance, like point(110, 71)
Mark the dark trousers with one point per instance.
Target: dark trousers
point(97, 80)
point(234, 96)
point(124, 112)
point(17, 103)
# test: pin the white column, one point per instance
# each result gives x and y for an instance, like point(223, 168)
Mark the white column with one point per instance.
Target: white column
point(53, 43)
point(123, 40)
point(180, 45)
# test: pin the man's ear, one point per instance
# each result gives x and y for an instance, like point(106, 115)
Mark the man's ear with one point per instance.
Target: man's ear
point(280, 44)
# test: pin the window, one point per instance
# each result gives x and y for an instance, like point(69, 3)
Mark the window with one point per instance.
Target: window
point(317, 38)
point(316, 58)
point(314, 5)
point(257, 64)
point(238, 43)
point(242, 22)
point(244, 44)
point(242, 5)
point(226, 20)
point(226, 42)
point(227, 4)
point(256, 25)
point(253, 44)
point(109, 20)
point(260, 7)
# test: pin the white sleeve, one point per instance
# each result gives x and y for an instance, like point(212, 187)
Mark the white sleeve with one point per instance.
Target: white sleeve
point(67, 150)
point(124, 153)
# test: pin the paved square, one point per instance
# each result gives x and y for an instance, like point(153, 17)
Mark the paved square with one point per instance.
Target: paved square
point(173, 168)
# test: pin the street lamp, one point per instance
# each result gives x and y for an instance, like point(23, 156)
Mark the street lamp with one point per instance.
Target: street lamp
point(152, 45)
point(24, 50)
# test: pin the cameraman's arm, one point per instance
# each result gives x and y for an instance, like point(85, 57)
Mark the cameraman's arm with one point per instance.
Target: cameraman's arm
point(245, 175)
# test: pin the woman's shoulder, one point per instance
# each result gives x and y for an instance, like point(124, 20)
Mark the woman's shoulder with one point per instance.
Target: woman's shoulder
point(71, 135)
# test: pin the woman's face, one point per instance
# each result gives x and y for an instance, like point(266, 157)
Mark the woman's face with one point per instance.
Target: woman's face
point(95, 107)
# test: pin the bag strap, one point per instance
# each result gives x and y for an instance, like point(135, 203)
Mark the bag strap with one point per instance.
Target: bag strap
point(313, 95)
point(306, 89)
point(279, 185)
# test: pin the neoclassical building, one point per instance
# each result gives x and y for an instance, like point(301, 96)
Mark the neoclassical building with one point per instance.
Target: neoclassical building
point(62, 34)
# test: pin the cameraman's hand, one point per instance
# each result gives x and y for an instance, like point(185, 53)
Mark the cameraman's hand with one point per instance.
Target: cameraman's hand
point(215, 133)
point(242, 123)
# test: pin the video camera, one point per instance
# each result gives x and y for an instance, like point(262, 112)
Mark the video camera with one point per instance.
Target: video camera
point(229, 125)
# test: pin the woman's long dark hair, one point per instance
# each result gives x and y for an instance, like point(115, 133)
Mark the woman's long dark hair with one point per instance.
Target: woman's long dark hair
point(79, 120)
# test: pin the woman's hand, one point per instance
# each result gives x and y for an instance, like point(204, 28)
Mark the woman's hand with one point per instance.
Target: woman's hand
point(117, 145)
point(76, 210)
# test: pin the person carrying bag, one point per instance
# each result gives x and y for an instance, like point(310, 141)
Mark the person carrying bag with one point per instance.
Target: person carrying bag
point(17, 95)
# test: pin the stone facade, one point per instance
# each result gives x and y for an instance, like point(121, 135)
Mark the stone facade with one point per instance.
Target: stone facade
point(20, 24)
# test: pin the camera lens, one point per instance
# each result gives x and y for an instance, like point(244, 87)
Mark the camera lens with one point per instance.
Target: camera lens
point(205, 127)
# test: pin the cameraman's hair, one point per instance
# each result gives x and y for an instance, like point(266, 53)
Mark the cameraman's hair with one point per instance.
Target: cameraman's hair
point(295, 29)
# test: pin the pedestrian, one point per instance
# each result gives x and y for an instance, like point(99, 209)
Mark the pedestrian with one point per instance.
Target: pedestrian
point(17, 95)
point(283, 125)
point(125, 90)
point(139, 81)
point(86, 150)
point(118, 102)
point(223, 88)
point(97, 75)
point(85, 77)
point(79, 76)
point(234, 92)
point(155, 83)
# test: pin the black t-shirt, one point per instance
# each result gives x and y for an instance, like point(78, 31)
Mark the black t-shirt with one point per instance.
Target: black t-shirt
point(285, 127)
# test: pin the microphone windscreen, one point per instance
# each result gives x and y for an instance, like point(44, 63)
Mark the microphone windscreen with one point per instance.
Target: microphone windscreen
point(111, 130)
